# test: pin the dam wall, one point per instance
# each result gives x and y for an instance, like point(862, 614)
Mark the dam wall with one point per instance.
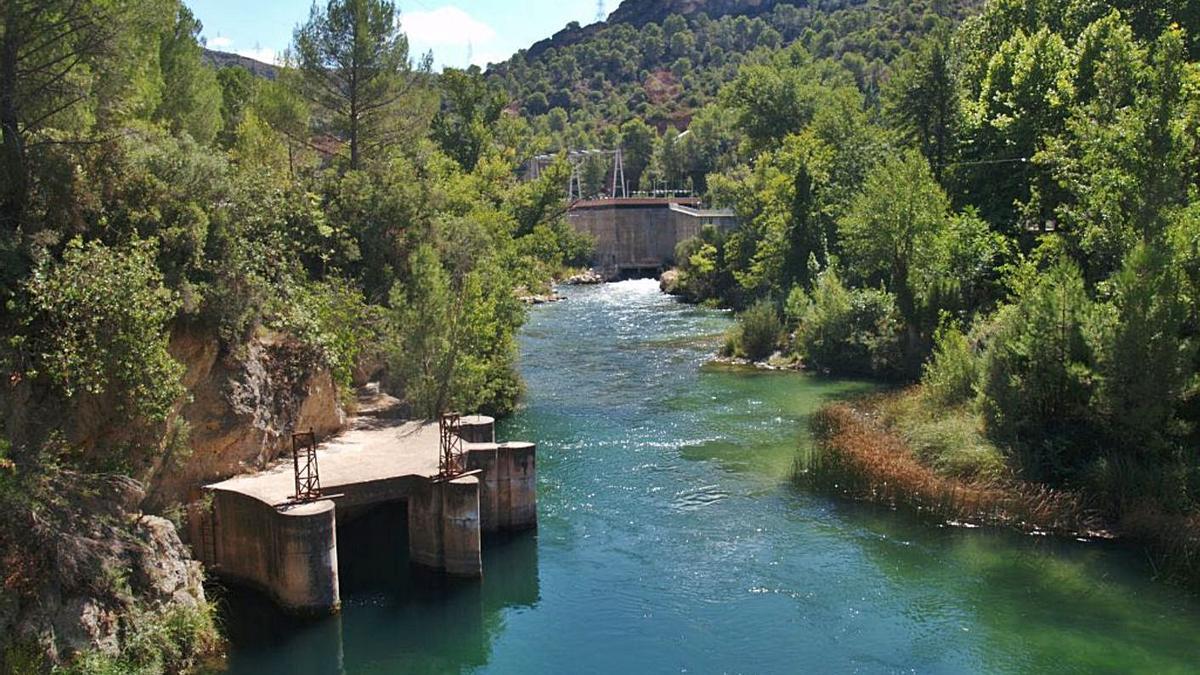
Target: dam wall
point(639, 236)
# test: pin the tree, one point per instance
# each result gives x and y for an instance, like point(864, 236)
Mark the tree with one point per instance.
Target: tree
point(238, 89)
point(890, 228)
point(1144, 362)
point(356, 70)
point(637, 141)
point(287, 114)
point(1037, 370)
point(1018, 109)
point(469, 110)
point(921, 101)
point(51, 54)
point(191, 100)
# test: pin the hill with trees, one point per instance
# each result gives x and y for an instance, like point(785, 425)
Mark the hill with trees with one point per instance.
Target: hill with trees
point(660, 62)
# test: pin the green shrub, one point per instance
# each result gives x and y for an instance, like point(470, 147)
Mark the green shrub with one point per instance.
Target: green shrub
point(100, 320)
point(172, 641)
point(757, 333)
point(795, 306)
point(950, 377)
point(850, 332)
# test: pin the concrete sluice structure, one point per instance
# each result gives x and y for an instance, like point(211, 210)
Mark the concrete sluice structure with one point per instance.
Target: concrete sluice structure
point(249, 531)
point(636, 237)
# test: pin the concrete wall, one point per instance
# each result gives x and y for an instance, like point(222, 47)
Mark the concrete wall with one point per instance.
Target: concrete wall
point(641, 235)
point(290, 554)
point(444, 526)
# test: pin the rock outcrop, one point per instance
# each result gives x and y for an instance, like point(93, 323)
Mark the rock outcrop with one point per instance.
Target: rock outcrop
point(244, 408)
point(589, 277)
point(98, 570)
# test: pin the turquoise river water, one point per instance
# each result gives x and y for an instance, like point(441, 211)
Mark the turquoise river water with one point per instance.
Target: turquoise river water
point(671, 539)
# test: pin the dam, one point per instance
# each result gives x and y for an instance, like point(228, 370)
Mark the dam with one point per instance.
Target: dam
point(636, 236)
point(252, 529)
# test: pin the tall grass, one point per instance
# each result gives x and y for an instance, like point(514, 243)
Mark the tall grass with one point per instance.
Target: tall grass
point(857, 456)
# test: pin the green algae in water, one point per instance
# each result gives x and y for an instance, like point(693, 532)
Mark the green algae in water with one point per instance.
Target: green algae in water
point(671, 538)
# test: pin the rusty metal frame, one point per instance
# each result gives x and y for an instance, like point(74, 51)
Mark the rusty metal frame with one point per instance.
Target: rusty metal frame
point(451, 459)
point(304, 462)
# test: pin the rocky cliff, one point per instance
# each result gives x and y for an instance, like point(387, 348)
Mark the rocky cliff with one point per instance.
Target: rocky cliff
point(243, 408)
point(96, 575)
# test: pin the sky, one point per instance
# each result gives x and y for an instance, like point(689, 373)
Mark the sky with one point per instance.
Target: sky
point(459, 33)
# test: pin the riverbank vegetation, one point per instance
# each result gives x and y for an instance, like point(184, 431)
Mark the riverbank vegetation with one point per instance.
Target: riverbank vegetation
point(1010, 217)
point(359, 210)
point(1013, 222)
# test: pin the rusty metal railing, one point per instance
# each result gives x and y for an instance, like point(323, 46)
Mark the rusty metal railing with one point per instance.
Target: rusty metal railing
point(451, 460)
point(304, 461)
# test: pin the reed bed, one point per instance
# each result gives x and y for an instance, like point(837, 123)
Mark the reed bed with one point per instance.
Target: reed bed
point(857, 456)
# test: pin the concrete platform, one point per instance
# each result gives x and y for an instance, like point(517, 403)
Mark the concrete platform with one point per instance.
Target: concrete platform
point(371, 450)
point(250, 530)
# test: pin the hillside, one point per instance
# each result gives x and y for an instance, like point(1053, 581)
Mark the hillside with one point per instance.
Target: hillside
point(663, 60)
point(220, 60)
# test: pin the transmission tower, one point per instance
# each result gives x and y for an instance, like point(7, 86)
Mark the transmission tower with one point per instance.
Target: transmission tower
point(600, 13)
point(618, 181)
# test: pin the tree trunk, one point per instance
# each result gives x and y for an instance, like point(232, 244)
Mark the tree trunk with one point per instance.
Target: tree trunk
point(16, 184)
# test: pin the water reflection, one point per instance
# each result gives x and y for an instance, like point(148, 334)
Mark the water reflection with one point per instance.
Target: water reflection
point(396, 617)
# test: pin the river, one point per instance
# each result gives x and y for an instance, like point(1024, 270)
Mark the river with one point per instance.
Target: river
point(672, 540)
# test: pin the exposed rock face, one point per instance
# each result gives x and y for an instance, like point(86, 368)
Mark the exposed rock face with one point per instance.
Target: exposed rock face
point(669, 282)
point(245, 407)
point(101, 566)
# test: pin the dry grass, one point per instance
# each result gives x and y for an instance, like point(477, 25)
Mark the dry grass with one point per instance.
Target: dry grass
point(892, 450)
point(857, 456)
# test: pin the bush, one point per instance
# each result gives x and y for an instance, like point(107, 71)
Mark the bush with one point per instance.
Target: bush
point(174, 640)
point(757, 333)
point(850, 332)
point(950, 377)
point(98, 322)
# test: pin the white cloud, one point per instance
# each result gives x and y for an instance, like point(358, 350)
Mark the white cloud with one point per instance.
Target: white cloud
point(446, 26)
point(219, 43)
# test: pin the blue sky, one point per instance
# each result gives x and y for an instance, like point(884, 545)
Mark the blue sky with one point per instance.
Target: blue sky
point(487, 30)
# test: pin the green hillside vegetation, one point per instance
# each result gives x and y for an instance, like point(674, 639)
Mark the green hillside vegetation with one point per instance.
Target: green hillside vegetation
point(579, 88)
point(1012, 221)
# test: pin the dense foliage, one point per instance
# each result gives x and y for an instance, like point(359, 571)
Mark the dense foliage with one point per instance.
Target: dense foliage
point(1012, 213)
point(586, 82)
point(357, 207)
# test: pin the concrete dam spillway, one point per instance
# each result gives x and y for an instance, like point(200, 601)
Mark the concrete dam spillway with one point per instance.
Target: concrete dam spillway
point(636, 237)
point(250, 531)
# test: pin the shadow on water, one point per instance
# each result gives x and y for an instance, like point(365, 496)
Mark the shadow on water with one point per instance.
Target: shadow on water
point(1033, 600)
point(396, 618)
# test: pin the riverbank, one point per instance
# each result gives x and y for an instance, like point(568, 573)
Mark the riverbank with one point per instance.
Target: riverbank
point(895, 450)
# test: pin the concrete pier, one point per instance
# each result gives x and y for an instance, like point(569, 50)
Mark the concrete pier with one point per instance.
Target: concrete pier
point(248, 531)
